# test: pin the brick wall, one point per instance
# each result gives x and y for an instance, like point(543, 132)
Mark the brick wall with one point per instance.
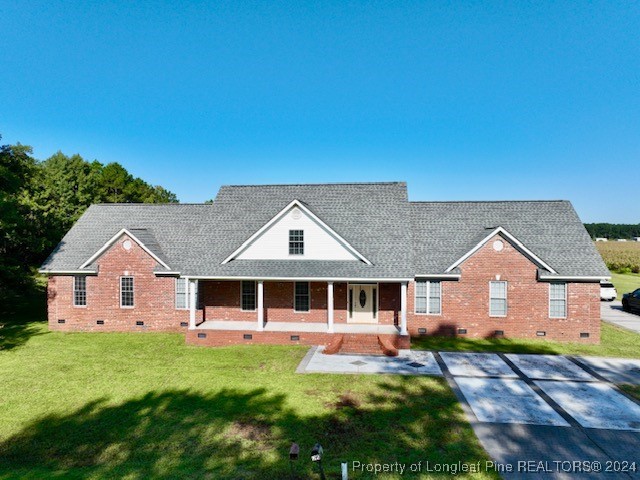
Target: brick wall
point(465, 303)
point(154, 301)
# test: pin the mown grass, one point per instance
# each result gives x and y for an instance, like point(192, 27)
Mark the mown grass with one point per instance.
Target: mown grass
point(112, 405)
point(615, 342)
point(633, 390)
point(625, 282)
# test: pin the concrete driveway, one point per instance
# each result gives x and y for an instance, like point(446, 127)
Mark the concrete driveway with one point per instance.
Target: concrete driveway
point(612, 312)
point(545, 416)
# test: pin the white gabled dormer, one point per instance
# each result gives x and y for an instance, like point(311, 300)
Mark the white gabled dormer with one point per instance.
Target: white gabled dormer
point(295, 233)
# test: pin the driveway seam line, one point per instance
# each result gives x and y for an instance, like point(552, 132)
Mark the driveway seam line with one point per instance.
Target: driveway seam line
point(541, 393)
point(453, 385)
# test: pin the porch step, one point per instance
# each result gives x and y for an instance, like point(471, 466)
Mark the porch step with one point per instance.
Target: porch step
point(334, 346)
point(363, 344)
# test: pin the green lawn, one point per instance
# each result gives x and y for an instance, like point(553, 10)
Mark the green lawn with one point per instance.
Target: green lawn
point(615, 342)
point(625, 283)
point(91, 405)
point(633, 390)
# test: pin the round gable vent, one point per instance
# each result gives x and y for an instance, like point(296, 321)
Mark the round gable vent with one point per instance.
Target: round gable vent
point(296, 214)
point(498, 245)
point(126, 244)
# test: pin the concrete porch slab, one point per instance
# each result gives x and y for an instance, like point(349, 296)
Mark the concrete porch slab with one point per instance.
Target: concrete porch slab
point(299, 327)
point(406, 363)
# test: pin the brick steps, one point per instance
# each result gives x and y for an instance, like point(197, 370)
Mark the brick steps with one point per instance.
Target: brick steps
point(361, 344)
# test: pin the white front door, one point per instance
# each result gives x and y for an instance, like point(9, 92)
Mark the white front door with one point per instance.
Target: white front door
point(363, 306)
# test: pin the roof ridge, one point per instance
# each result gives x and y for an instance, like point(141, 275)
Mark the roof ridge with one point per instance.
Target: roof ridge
point(487, 201)
point(101, 204)
point(314, 184)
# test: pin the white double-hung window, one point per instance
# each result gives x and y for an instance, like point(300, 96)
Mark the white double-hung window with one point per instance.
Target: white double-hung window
point(557, 300)
point(181, 293)
point(428, 297)
point(498, 299)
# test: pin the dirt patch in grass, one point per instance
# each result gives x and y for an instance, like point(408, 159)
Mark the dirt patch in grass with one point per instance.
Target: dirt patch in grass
point(347, 400)
point(253, 431)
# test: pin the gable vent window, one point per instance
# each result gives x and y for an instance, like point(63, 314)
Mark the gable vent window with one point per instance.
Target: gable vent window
point(557, 300)
point(126, 291)
point(302, 297)
point(498, 299)
point(80, 291)
point(248, 296)
point(296, 242)
point(428, 298)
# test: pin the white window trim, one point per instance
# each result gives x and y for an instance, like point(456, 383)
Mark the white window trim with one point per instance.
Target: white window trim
point(506, 298)
point(86, 297)
point(566, 306)
point(297, 255)
point(294, 298)
point(255, 293)
point(133, 291)
point(513, 240)
point(415, 296)
point(113, 239)
point(185, 293)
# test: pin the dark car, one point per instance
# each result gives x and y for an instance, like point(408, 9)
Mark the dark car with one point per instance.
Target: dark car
point(631, 301)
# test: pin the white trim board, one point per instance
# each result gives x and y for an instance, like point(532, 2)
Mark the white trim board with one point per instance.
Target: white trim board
point(295, 203)
point(68, 272)
point(513, 240)
point(113, 239)
point(572, 278)
point(305, 279)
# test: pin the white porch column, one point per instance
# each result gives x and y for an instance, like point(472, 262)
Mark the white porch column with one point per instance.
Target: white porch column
point(330, 307)
point(260, 305)
point(191, 295)
point(403, 309)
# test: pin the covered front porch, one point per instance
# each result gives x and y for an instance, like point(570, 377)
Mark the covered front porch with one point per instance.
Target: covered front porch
point(355, 316)
point(305, 305)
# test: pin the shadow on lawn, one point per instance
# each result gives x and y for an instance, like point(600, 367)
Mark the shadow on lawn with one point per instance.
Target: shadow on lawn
point(446, 339)
point(19, 323)
point(233, 434)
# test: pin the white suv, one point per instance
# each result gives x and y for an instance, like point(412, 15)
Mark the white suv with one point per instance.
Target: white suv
point(607, 291)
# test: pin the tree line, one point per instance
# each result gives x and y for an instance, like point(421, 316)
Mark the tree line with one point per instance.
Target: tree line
point(41, 200)
point(612, 230)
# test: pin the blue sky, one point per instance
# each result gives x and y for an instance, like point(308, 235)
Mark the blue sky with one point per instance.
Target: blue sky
point(464, 100)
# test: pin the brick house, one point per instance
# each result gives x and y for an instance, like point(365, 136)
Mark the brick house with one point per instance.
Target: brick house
point(352, 266)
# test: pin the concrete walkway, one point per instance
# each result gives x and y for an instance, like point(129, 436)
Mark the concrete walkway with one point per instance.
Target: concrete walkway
point(612, 312)
point(408, 362)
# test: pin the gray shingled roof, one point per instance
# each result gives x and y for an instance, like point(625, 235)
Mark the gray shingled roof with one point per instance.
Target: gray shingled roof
point(372, 217)
point(400, 238)
point(195, 239)
point(444, 231)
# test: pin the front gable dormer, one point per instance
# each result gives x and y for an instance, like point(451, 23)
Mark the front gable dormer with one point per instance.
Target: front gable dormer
point(296, 233)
